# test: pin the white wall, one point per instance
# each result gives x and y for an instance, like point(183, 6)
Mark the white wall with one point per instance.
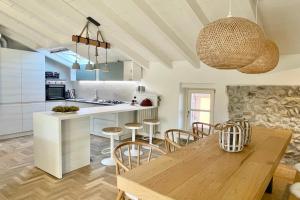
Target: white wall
point(166, 82)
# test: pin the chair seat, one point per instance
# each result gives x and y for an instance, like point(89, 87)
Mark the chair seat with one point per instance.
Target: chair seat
point(111, 130)
point(133, 126)
point(151, 121)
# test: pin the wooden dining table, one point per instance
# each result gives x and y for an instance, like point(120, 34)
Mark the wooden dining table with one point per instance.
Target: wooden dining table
point(203, 171)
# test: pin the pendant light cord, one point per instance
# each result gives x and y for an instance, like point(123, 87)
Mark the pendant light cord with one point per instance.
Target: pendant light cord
point(256, 11)
point(229, 9)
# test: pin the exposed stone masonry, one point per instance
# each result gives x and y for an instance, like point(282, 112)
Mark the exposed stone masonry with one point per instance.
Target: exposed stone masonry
point(270, 106)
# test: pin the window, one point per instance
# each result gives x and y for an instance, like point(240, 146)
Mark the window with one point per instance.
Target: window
point(199, 106)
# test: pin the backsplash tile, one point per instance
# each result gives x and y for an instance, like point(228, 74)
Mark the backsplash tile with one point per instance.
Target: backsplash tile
point(108, 90)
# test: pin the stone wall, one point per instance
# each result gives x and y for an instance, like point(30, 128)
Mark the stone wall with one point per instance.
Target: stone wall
point(270, 106)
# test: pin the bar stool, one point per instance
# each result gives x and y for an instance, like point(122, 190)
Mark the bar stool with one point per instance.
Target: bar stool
point(151, 123)
point(133, 127)
point(110, 131)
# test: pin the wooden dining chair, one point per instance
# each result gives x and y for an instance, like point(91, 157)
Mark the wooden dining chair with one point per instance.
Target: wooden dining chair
point(177, 138)
point(202, 129)
point(127, 163)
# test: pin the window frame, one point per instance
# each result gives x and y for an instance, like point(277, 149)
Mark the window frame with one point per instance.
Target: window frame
point(188, 109)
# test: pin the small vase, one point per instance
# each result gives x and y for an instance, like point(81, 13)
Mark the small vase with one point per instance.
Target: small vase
point(231, 137)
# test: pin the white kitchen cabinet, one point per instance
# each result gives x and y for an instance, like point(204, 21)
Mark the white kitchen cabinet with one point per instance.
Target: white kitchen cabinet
point(10, 118)
point(33, 77)
point(27, 114)
point(132, 71)
point(10, 76)
point(22, 89)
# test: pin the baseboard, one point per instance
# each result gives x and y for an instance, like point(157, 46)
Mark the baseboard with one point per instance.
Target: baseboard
point(15, 135)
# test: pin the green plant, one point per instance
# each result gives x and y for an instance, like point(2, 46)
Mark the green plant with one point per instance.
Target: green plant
point(65, 109)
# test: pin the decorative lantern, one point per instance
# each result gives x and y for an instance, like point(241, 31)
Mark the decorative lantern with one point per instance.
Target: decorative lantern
point(245, 124)
point(231, 137)
point(230, 43)
point(266, 62)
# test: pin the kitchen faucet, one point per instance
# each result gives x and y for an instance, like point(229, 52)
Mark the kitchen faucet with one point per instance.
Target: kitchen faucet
point(96, 96)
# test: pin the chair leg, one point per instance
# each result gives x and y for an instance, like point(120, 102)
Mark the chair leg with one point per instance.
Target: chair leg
point(120, 195)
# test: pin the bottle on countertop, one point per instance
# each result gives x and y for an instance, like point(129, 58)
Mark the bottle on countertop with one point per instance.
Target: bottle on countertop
point(133, 101)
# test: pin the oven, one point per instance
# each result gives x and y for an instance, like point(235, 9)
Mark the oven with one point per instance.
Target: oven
point(55, 91)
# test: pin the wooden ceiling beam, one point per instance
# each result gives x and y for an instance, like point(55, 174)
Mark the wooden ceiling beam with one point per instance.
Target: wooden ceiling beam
point(32, 21)
point(186, 52)
point(99, 9)
point(20, 38)
point(16, 26)
point(198, 11)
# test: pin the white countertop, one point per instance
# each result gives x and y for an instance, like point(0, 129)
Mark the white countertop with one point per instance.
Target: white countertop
point(84, 112)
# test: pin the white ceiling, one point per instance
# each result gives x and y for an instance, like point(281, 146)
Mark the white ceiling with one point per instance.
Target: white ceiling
point(142, 30)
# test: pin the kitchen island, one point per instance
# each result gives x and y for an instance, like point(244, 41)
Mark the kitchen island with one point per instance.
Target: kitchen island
point(62, 141)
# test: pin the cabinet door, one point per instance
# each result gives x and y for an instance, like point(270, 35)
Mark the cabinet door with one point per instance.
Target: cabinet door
point(33, 77)
point(10, 118)
point(10, 76)
point(116, 72)
point(27, 114)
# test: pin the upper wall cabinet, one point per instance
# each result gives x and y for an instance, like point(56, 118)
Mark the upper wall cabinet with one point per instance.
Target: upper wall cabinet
point(10, 76)
point(22, 77)
point(33, 77)
point(118, 71)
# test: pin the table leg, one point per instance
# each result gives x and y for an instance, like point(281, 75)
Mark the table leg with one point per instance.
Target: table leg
point(270, 187)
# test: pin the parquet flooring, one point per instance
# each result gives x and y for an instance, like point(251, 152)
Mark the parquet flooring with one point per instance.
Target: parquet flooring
point(20, 180)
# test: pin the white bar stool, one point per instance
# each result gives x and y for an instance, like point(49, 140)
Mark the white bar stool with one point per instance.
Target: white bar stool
point(110, 131)
point(133, 127)
point(151, 123)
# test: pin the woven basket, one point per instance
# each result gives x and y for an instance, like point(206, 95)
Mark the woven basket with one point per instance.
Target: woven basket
point(230, 43)
point(266, 62)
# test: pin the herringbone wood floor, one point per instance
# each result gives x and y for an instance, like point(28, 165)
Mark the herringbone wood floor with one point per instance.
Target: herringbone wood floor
point(20, 180)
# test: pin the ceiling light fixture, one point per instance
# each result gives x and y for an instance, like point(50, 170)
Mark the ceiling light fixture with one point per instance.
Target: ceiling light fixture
point(76, 65)
point(230, 42)
point(105, 68)
point(86, 40)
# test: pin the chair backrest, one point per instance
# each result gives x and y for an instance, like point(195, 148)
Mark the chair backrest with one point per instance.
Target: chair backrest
point(202, 129)
point(177, 138)
point(126, 163)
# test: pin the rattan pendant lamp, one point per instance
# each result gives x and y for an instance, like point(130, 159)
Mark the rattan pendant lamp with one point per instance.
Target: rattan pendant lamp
point(267, 61)
point(230, 43)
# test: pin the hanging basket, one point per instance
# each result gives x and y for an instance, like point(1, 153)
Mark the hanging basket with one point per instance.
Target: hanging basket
point(266, 62)
point(230, 43)
point(245, 124)
point(231, 137)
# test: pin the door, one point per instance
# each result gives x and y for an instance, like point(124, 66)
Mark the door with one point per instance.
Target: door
point(199, 106)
